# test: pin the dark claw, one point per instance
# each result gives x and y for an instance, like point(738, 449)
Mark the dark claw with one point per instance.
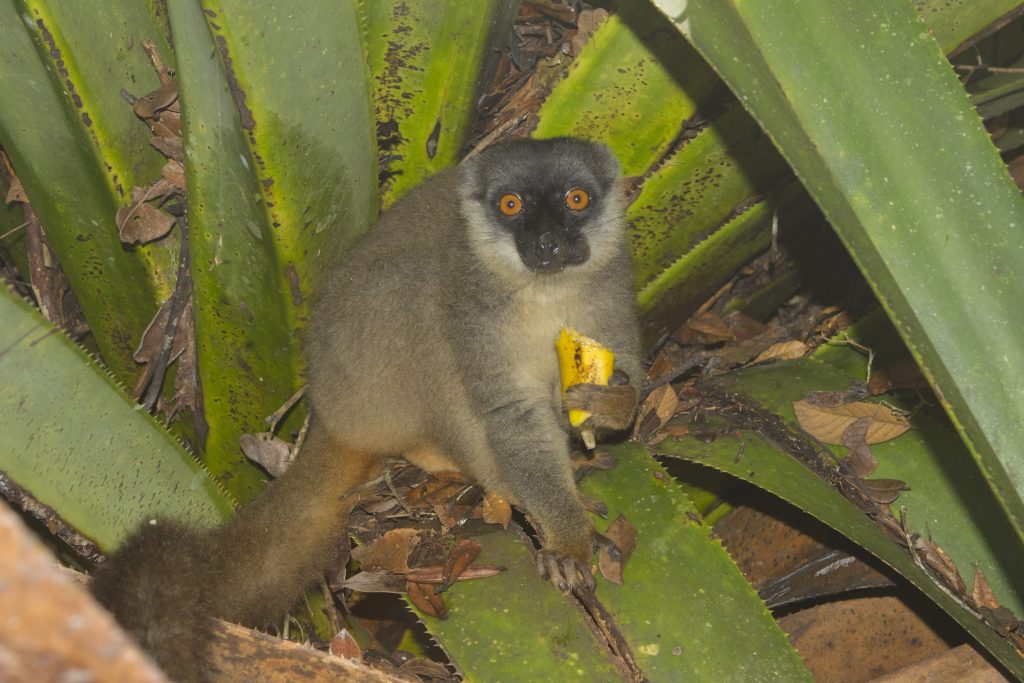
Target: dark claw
point(619, 378)
point(564, 572)
point(595, 506)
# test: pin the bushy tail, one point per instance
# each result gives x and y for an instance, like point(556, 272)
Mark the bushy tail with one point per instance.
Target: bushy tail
point(166, 581)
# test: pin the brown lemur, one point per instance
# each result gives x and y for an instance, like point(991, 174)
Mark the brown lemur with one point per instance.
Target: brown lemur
point(434, 338)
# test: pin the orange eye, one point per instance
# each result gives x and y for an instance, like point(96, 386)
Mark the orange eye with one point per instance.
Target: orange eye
point(577, 199)
point(510, 204)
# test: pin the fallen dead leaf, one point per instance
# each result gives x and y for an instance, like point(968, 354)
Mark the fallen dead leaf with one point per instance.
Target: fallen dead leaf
point(860, 460)
point(624, 535)
point(703, 328)
point(496, 510)
point(827, 424)
point(16, 192)
point(345, 646)
point(459, 558)
point(787, 350)
point(426, 599)
point(981, 592)
point(659, 406)
point(883, 491)
point(267, 451)
point(390, 552)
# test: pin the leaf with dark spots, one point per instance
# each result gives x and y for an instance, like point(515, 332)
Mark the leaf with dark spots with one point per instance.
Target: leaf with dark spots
point(860, 461)
point(345, 646)
point(268, 451)
point(624, 536)
point(426, 599)
point(390, 552)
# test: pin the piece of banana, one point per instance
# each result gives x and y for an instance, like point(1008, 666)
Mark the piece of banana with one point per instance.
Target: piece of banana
point(582, 360)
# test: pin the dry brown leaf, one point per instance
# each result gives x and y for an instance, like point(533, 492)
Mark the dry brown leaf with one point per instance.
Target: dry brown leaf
point(703, 328)
point(426, 599)
point(657, 409)
point(268, 451)
point(624, 535)
point(496, 510)
point(883, 491)
point(345, 646)
point(586, 23)
point(390, 552)
point(786, 350)
point(981, 592)
point(142, 222)
point(170, 146)
point(174, 173)
point(942, 564)
point(827, 424)
point(860, 460)
point(16, 192)
point(459, 558)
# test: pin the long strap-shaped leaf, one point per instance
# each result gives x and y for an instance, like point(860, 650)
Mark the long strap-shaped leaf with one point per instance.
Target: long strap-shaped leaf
point(81, 446)
point(860, 100)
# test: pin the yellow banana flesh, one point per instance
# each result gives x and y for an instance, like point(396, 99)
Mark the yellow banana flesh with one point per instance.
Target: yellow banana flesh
point(582, 360)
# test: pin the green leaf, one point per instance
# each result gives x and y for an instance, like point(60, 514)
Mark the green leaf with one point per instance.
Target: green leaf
point(281, 178)
point(69, 434)
point(898, 160)
point(516, 627)
point(684, 600)
point(427, 59)
point(682, 603)
point(954, 23)
point(77, 148)
point(948, 501)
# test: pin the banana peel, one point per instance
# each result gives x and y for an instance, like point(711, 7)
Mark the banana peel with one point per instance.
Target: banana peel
point(582, 360)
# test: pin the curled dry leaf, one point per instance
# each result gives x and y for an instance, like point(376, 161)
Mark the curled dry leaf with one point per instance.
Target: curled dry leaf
point(141, 222)
point(657, 409)
point(586, 24)
point(345, 646)
point(435, 573)
point(149, 345)
point(16, 192)
point(174, 173)
point(390, 552)
point(981, 592)
point(624, 535)
point(883, 491)
point(267, 451)
point(426, 599)
point(459, 558)
point(860, 459)
point(786, 350)
point(828, 424)
point(703, 328)
point(496, 510)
